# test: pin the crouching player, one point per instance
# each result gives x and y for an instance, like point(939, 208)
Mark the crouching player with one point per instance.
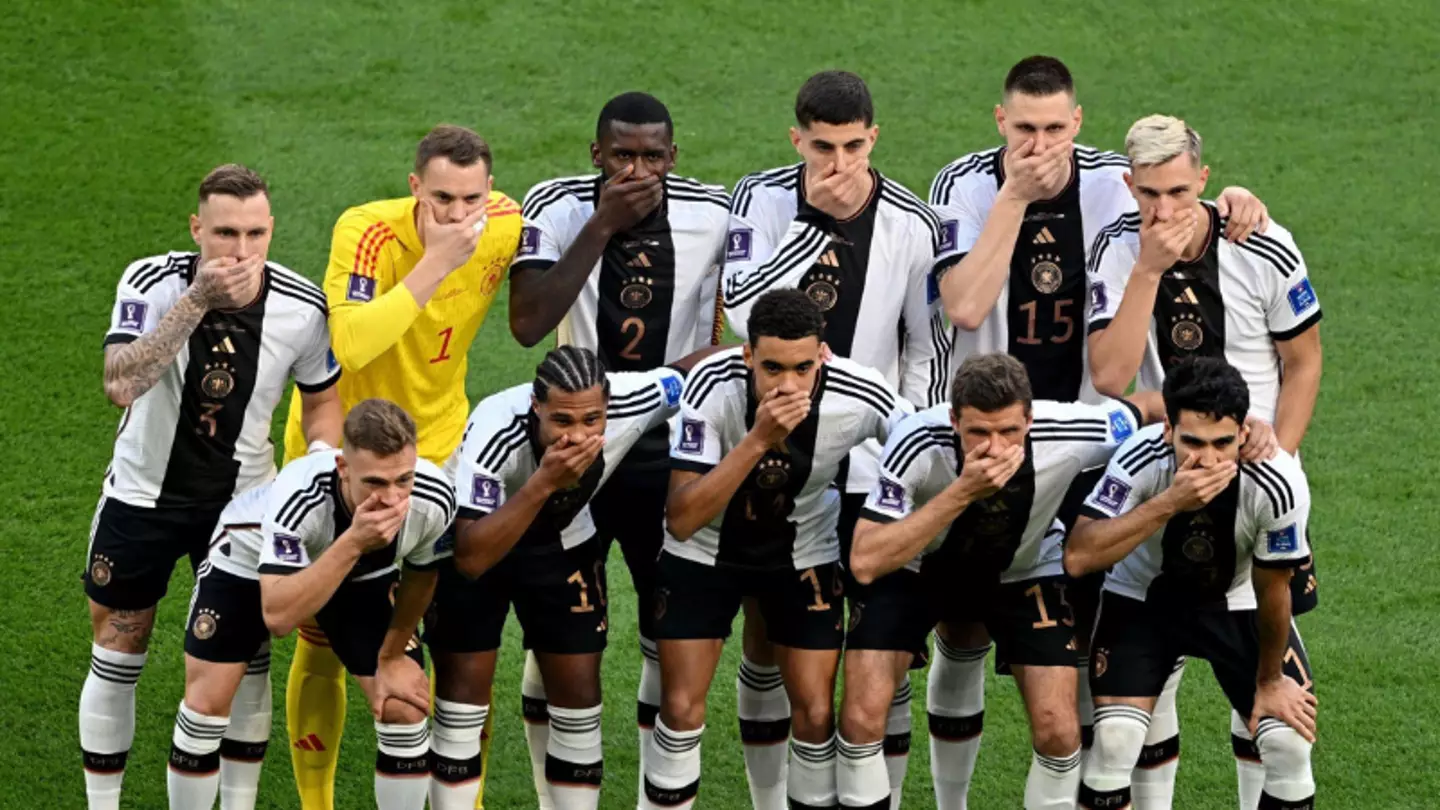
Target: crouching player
point(324, 539)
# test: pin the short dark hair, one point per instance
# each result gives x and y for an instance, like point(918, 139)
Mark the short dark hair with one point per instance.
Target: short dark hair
point(380, 426)
point(1208, 386)
point(571, 369)
point(834, 97)
point(990, 382)
point(234, 180)
point(459, 145)
point(633, 108)
point(1039, 76)
point(787, 314)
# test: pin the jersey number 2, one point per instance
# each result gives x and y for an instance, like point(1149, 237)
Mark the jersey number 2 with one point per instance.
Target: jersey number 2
point(444, 345)
point(626, 325)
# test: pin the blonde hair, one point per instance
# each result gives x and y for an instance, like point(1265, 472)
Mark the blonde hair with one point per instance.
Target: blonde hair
point(1157, 139)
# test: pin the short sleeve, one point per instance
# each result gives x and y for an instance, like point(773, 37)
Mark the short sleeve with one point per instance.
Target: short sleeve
point(316, 368)
point(960, 226)
point(283, 549)
point(436, 532)
point(140, 300)
point(1293, 306)
point(1128, 478)
point(652, 397)
point(1282, 501)
point(695, 443)
point(905, 465)
point(479, 483)
point(542, 240)
point(1108, 271)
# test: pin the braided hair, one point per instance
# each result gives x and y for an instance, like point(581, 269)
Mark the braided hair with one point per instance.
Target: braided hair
point(570, 369)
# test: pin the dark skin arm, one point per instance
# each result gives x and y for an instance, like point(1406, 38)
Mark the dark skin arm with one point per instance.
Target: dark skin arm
point(540, 298)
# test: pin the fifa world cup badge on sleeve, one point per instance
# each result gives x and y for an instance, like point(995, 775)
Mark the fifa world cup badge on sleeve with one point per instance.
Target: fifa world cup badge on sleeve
point(529, 241)
point(485, 494)
point(892, 495)
point(949, 235)
point(362, 288)
point(1098, 301)
point(692, 436)
point(1120, 429)
point(1302, 296)
point(1112, 494)
point(132, 314)
point(1282, 541)
point(737, 245)
point(287, 548)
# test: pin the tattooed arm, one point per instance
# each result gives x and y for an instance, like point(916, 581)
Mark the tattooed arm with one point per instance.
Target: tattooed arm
point(133, 368)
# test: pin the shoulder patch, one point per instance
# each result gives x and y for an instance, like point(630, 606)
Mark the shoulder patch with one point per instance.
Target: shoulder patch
point(287, 548)
point(892, 494)
point(132, 314)
point(485, 492)
point(949, 235)
point(1302, 296)
point(1098, 300)
point(1282, 541)
point(692, 436)
point(1120, 429)
point(737, 244)
point(529, 241)
point(362, 288)
point(672, 390)
point(1112, 494)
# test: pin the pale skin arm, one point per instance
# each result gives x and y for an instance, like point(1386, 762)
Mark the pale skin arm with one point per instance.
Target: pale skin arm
point(412, 598)
point(133, 368)
point(696, 498)
point(971, 286)
point(321, 416)
point(289, 599)
point(1299, 387)
point(1095, 545)
point(1116, 350)
point(880, 548)
point(1275, 694)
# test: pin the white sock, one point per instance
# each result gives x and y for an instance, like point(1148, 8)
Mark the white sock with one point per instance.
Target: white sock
point(537, 727)
point(402, 769)
point(574, 762)
point(861, 781)
point(673, 777)
point(764, 712)
point(1085, 705)
point(455, 731)
point(1119, 735)
point(897, 742)
point(107, 722)
point(1289, 782)
point(1249, 772)
point(811, 781)
point(194, 773)
point(242, 750)
point(1053, 781)
point(647, 703)
point(955, 702)
point(1153, 781)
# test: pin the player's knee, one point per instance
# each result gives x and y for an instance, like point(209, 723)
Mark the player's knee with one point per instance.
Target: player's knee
point(1056, 735)
point(202, 698)
point(812, 719)
point(462, 677)
point(1283, 751)
point(861, 722)
point(398, 712)
point(1119, 736)
point(682, 711)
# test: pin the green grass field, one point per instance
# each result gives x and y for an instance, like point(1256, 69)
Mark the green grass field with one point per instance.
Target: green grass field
point(114, 110)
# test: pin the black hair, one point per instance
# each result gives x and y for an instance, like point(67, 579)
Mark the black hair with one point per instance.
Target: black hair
point(834, 97)
point(787, 314)
point(570, 369)
point(1205, 385)
point(633, 108)
point(1039, 76)
point(990, 382)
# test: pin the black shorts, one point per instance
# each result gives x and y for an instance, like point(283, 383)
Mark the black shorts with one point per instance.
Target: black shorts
point(1136, 645)
point(559, 598)
point(1031, 621)
point(226, 623)
point(133, 551)
point(802, 609)
point(630, 509)
point(1304, 587)
point(891, 614)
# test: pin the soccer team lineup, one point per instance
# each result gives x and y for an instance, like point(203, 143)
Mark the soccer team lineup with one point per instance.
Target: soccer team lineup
point(1042, 422)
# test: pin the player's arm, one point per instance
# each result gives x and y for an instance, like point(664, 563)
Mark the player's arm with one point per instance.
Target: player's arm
point(1292, 317)
point(1299, 387)
point(412, 598)
point(137, 353)
point(1117, 338)
point(975, 263)
point(322, 417)
point(759, 257)
point(1280, 545)
point(541, 293)
point(369, 313)
point(292, 588)
point(1148, 407)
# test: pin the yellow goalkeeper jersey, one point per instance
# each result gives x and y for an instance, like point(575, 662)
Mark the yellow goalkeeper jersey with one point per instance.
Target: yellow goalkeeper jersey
point(387, 345)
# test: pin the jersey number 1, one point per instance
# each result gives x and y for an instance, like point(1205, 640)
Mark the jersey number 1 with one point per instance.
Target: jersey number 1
point(444, 345)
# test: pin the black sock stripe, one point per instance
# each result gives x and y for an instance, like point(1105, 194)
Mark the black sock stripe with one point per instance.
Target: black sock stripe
point(242, 751)
point(670, 797)
point(1244, 748)
point(897, 745)
point(194, 764)
point(563, 772)
point(764, 732)
point(391, 765)
point(115, 668)
point(956, 729)
point(1091, 799)
point(848, 750)
point(666, 739)
point(534, 710)
point(902, 695)
point(454, 771)
point(645, 714)
point(104, 763)
point(199, 731)
point(960, 653)
point(1156, 754)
